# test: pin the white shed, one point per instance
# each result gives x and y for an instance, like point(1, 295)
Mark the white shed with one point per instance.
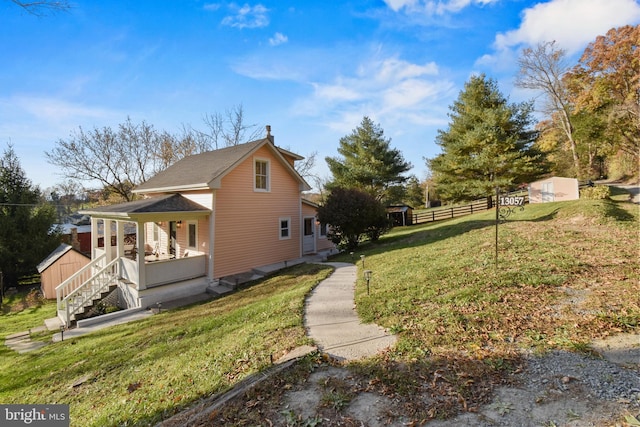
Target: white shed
point(553, 189)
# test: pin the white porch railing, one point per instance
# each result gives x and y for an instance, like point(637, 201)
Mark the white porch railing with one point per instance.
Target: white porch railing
point(75, 293)
point(175, 270)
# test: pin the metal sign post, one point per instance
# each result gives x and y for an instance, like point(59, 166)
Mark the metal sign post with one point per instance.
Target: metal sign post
point(505, 207)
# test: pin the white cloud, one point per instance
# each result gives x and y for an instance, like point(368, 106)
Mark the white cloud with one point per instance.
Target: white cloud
point(390, 90)
point(571, 23)
point(55, 110)
point(433, 7)
point(47, 117)
point(396, 5)
point(336, 92)
point(247, 16)
point(277, 39)
point(394, 68)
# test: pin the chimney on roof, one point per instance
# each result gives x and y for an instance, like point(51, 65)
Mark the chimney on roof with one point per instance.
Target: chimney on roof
point(75, 242)
point(269, 136)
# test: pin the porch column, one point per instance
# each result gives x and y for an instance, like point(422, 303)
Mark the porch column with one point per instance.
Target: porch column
point(140, 239)
point(107, 240)
point(119, 239)
point(301, 225)
point(212, 236)
point(94, 236)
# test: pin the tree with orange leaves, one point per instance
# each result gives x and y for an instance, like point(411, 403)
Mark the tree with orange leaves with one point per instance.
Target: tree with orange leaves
point(607, 82)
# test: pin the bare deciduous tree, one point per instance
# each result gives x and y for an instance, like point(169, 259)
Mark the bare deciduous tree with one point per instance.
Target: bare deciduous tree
point(43, 7)
point(305, 166)
point(117, 159)
point(542, 69)
point(125, 157)
point(228, 129)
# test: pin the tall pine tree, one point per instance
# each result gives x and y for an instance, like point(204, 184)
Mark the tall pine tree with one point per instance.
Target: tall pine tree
point(488, 144)
point(368, 163)
point(26, 235)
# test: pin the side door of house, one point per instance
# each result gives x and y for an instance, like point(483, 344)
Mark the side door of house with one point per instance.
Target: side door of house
point(309, 235)
point(547, 192)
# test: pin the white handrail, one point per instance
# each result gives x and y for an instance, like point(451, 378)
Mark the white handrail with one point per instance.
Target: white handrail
point(65, 287)
point(108, 272)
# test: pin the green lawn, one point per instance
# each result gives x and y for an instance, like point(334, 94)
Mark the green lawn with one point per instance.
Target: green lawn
point(435, 285)
point(438, 286)
point(139, 373)
point(22, 311)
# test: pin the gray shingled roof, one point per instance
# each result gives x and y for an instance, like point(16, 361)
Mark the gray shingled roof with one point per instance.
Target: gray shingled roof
point(161, 204)
point(54, 256)
point(199, 170)
point(202, 170)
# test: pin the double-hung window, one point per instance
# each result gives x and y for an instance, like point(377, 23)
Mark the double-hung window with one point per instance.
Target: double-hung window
point(285, 228)
point(192, 235)
point(261, 169)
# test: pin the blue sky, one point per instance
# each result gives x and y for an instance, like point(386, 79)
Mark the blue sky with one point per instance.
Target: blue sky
point(311, 69)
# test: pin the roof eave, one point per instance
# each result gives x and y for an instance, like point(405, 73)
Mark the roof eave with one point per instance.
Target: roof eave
point(106, 215)
point(294, 156)
point(174, 189)
point(167, 216)
point(304, 186)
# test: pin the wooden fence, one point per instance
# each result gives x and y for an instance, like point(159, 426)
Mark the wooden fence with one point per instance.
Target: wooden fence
point(439, 214)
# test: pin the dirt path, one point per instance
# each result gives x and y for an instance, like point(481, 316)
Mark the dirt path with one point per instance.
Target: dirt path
point(634, 191)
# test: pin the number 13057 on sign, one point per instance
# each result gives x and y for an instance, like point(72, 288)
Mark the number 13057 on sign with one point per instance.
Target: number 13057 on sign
point(512, 201)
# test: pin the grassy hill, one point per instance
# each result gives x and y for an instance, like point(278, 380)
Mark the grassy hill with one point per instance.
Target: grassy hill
point(142, 372)
point(435, 285)
point(439, 286)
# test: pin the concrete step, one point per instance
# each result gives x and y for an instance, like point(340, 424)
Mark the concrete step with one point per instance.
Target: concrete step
point(53, 324)
point(219, 289)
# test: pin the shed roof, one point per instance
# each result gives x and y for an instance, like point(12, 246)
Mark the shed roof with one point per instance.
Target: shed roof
point(398, 208)
point(554, 178)
point(55, 255)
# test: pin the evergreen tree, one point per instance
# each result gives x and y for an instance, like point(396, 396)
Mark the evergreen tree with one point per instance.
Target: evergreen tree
point(368, 163)
point(415, 193)
point(488, 144)
point(26, 235)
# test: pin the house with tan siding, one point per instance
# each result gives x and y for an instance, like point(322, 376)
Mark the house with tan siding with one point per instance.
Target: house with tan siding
point(205, 218)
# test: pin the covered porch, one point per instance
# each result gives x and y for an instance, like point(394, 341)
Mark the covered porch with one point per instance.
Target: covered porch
point(151, 250)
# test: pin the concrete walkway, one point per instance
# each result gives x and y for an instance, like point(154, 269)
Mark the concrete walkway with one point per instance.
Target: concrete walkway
point(22, 343)
point(332, 322)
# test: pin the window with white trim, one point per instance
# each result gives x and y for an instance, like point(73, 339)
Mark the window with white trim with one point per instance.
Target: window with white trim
point(323, 230)
point(156, 232)
point(261, 173)
point(192, 235)
point(285, 228)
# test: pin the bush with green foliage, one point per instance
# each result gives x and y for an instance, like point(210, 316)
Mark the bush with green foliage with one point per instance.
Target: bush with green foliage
point(352, 214)
point(598, 192)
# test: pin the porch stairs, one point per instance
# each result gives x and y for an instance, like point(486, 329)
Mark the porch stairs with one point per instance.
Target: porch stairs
point(86, 287)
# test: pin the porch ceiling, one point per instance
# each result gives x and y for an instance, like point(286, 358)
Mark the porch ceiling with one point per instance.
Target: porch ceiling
point(154, 208)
